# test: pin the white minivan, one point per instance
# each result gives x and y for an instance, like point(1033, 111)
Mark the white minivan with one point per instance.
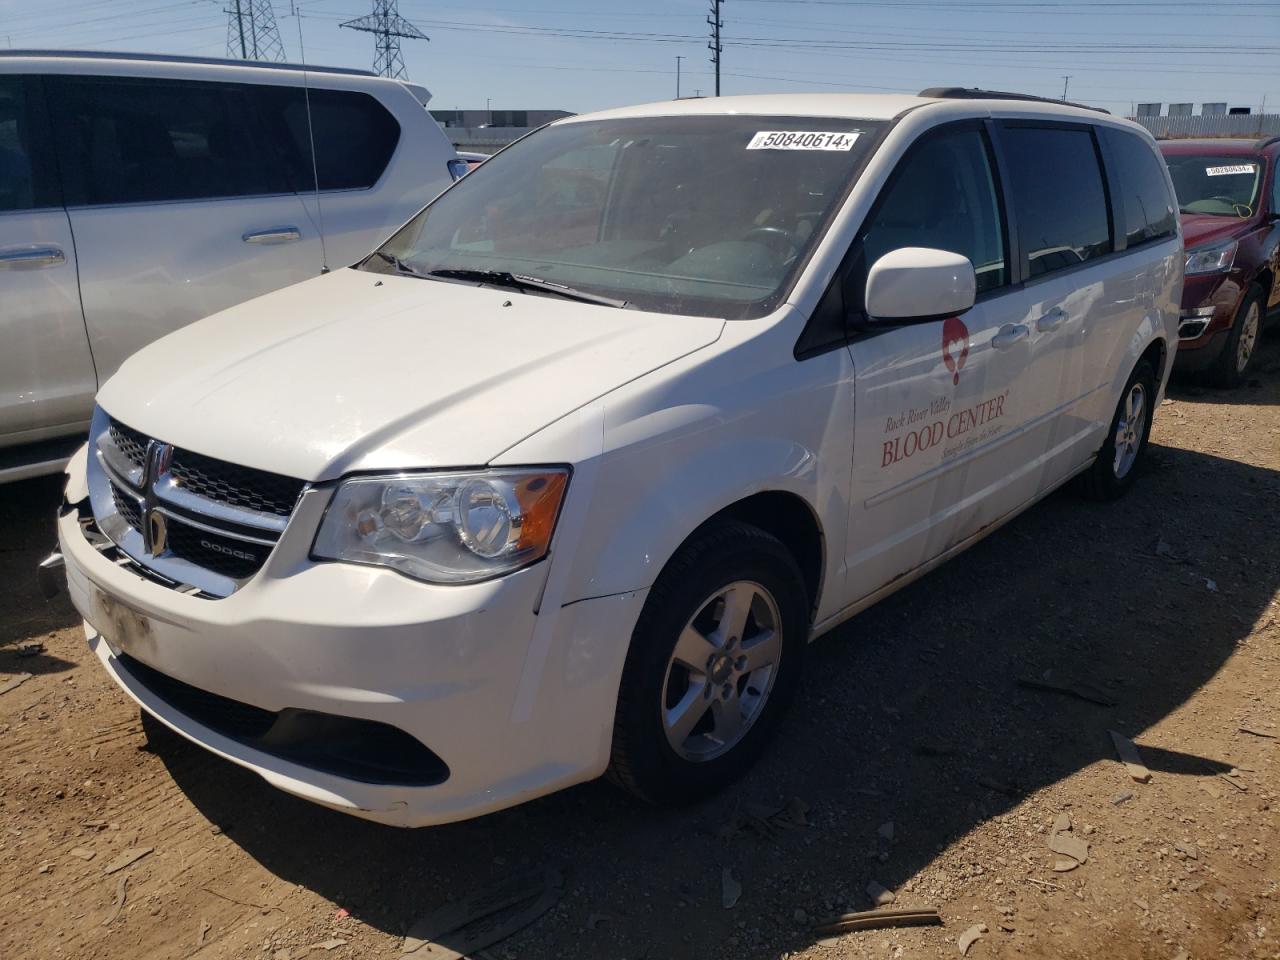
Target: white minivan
point(139, 193)
point(563, 478)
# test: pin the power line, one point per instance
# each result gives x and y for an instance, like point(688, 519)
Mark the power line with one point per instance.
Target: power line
point(387, 27)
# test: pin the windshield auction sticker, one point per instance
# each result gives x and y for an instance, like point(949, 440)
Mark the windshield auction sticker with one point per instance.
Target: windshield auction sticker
point(801, 140)
point(1219, 171)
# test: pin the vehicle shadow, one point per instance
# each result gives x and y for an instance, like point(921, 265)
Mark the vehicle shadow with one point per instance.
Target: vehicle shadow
point(26, 517)
point(1257, 389)
point(912, 713)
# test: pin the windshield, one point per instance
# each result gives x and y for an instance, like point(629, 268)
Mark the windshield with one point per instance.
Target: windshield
point(701, 215)
point(1220, 186)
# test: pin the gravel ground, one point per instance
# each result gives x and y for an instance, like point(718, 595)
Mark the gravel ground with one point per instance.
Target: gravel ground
point(914, 714)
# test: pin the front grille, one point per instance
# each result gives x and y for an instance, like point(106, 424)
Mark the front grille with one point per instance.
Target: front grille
point(228, 556)
point(221, 520)
point(234, 485)
point(130, 442)
point(127, 507)
point(364, 750)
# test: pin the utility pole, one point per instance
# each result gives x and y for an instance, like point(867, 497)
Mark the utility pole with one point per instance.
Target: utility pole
point(387, 27)
point(1066, 79)
point(252, 33)
point(715, 46)
point(678, 59)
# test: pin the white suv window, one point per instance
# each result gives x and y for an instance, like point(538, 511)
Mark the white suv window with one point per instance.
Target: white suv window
point(943, 196)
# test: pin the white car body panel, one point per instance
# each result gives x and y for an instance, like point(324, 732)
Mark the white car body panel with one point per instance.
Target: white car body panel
point(146, 269)
point(664, 421)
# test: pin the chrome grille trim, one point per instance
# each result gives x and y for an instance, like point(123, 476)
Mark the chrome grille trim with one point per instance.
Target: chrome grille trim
point(142, 507)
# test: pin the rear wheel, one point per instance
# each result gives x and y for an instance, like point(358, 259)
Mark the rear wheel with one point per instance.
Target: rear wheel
point(714, 660)
point(1114, 470)
point(1242, 343)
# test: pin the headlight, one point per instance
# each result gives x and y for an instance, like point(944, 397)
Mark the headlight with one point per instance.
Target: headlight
point(1217, 259)
point(444, 528)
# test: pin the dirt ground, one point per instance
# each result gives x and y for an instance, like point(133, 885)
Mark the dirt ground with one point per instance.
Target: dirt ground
point(913, 714)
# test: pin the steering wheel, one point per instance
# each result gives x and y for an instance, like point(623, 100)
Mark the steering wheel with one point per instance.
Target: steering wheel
point(778, 241)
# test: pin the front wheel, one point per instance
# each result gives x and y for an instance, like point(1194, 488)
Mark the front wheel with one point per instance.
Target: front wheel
point(1114, 470)
point(714, 660)
point(1237, 353)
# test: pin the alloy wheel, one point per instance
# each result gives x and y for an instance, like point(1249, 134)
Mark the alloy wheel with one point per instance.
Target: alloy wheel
point(1131, 424)
point(721, 671)
point(1248, 336)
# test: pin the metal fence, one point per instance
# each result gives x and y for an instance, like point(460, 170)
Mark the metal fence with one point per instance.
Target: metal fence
point(1251, 125)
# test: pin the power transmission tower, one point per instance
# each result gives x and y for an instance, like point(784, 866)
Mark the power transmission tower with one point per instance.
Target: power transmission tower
point(252, 33)
point(387, 27)
point(715, 46)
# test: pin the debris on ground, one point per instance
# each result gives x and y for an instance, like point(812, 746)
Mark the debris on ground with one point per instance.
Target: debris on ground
point(119, 904)
point(1075, 850)
point(127, 858)
point(730, 889)
point(327, 945)
point(1077, 689)
point(1232, 777)
point(1255, 732)
point(1188, 850)
point(1122, 796)
point(880, 919)
point(1129, 756)
point(886, 831)
point(766, 821)
point(84, 853)
point(880, 895)
point(1210, 585)
point(32, 648)
point(1062, 822)
point(205, 927)
point(596, 919)
point(483, 918)
point(13, 683)
point(341, 913)
point(970, 937)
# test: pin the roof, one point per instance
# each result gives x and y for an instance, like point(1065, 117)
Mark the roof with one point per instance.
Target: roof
point(1223, 147)
point(852, 106)
point(168, 58)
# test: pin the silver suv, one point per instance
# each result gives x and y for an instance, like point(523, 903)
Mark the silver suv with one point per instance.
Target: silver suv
point(140, 193)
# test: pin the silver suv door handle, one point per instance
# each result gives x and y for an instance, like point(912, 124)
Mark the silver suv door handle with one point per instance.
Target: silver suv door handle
point(31, 257)
point(1010, 334)
point(273, 235)
point(1052, 320)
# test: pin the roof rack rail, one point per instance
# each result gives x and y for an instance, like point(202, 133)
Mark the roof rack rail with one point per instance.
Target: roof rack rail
point(166, 58)
point(1265, 142)
point(974, 93)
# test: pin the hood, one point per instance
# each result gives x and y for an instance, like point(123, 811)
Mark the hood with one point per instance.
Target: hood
point(362, 371)
point(1202, 230)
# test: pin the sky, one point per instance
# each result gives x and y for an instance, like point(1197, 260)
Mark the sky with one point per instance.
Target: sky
point(582, 55)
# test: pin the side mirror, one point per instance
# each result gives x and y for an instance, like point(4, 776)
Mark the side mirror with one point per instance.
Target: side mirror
point(919, 283)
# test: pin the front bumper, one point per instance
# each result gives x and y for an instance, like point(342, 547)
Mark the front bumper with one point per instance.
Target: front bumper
point(516, 702)
point(1209, 305)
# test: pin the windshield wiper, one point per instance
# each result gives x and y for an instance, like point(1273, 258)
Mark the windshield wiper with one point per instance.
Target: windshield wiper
point(400, 265)
point(518, 281)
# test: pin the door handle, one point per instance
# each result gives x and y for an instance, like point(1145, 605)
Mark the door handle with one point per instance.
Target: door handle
point(1010, 334)
point(1052, 320)
point(273, 235)
point(31, 257)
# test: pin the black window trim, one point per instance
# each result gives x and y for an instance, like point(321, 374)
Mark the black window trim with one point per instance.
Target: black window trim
point(832, 311)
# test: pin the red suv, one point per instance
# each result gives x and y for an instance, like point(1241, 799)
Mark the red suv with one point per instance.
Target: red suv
point(1229, 197)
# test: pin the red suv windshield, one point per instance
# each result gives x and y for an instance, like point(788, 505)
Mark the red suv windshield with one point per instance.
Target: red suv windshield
point(1224, 186)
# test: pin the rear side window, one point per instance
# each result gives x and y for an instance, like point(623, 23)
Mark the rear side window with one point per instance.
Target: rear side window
point(1145, 208)
point(25, 181)
point(135, 140)
point(355, 136)
point(943, 196)
point(1058, 196)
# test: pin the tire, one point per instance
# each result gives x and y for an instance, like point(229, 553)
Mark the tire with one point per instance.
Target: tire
point(1111, 475)
point(689, 595)
point(1232, 365)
